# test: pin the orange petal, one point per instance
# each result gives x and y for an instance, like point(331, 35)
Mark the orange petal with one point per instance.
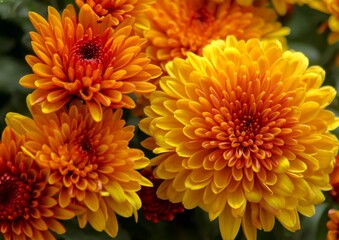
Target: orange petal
point(48, 107)
point(63, 213)
point(28, 81)
point(57, 95)
point(38, 96)
point(64, 198)
point(55, 226)
point(95, 109)
point(87, 17)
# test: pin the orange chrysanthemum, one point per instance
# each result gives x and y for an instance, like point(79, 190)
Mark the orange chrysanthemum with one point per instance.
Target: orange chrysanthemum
point(334, 180)
point(28, 208)
point(153, 208)
point(120, 10)
point(192, 24)
point(90, 159)
point(84, 57)
point(333, 225)
point(242, 133)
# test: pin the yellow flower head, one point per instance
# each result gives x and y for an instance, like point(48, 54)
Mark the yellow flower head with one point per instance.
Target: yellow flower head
point(121, 10)
point(242, 133)
point(28, 205)
point(330, 7)
point(282, 6)
point(84, 57)
point(91, 160)
point(192, 24)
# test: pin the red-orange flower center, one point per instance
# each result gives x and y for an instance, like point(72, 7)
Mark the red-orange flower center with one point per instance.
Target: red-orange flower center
point(200, 25)
point(15, 197)
point(202, 17)
point(84, 159)
point(88, 51)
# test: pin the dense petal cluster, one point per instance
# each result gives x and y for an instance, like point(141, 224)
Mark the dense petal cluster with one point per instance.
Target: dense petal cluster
point(120, 10)
point(28, 205)
point(242, 132)
point(192, 24)
point(81, 56)
point(153, 208)
point(91, 160)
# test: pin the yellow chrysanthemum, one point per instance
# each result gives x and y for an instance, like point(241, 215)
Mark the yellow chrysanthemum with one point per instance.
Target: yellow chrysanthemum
point(121, 10)
point(330, 7)
point(192, 24)
point(281, 6)
point(242, 133)
point(92, 161)
point(28, 205)
point(84, 57)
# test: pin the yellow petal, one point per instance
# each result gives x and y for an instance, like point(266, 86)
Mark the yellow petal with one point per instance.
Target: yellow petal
point(229, 225)
point(112, 225)
point(116, 191)
point(97, 220)
point(91, 200)
point(249, 229)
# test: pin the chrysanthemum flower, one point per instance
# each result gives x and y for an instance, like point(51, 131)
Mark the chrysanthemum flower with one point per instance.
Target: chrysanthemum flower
point(192, 24)
point(330, 7)
point(92, 161)
point(83, 57)
point(333, 225)
point(282, 6)
point(28, 208)
point(153, 208)
point(120, 10)
point(242, 133)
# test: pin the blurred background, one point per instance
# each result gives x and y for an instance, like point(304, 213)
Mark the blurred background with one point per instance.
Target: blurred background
point(192, 224)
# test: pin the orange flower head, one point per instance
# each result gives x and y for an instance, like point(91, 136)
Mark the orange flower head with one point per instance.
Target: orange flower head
point(28, 208)
point(192, 24)
point(242, 132)
point(120, 10)
point(91, 160)
point(83, 57)
point(333, 225)
point(334, 180)
point(153, 208)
